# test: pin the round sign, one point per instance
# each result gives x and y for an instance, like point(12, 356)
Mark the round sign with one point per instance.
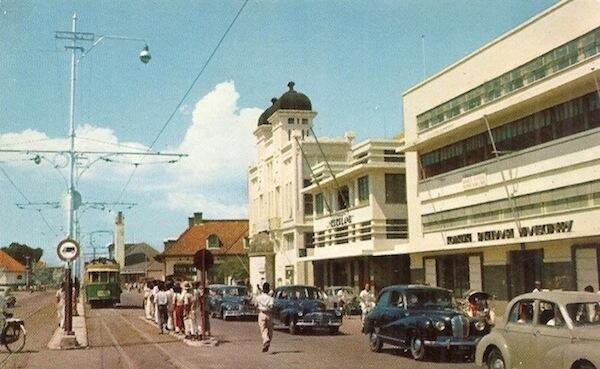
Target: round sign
point(203, 259)
point(67, 250)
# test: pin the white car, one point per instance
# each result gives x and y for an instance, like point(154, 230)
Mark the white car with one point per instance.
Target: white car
point(545, 330)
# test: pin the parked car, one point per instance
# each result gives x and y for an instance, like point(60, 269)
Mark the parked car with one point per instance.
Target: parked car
point(546, 329)
point(303, 307)
point(228, 302)
point(6, 294)
point(420, 319)
point(351, 306)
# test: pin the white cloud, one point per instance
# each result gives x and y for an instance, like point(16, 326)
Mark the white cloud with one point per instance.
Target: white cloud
point(219, 142)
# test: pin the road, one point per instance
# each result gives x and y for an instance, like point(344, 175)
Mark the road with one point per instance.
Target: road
point(119, 338)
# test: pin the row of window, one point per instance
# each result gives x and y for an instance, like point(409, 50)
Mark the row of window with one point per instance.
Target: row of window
point(575, 51)
point(540, 203)
point(568, 118)
point(395, 193)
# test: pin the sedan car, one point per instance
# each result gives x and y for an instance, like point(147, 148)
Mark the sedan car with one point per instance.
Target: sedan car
point(230, 302)
point(420, 319)
point(546, 329)
point(303, 307)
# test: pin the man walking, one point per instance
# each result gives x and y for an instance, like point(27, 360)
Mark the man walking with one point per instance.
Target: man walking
point(264, 302)
point(367, 301)
point(162, 306)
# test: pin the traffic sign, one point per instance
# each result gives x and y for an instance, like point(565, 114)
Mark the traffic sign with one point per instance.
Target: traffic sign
point(203, 260)
point(67, 250)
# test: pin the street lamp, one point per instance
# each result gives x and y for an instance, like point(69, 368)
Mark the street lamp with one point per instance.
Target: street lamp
point(145, 55)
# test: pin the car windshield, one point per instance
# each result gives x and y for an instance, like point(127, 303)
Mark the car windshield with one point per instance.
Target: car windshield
point(234, 291)
point(584, 313)
point(429, 298)
point(301, 293)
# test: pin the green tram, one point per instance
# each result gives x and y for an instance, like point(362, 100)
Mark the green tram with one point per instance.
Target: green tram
point(102, 282)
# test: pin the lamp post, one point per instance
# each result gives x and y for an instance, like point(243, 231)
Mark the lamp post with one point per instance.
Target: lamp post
point(73, 197)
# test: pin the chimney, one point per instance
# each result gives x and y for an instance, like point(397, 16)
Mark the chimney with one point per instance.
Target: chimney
point(119, 241)
point(196, 219)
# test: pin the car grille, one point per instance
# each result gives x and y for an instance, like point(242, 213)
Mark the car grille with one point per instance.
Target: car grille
point(460, 326)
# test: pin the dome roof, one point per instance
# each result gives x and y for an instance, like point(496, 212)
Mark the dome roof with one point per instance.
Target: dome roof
point(290, 100)
point(293, 100)
point(263, 119)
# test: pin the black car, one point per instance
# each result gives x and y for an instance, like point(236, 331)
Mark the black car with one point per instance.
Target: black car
point(420, 319)
point(303, 307)
point(228, 302)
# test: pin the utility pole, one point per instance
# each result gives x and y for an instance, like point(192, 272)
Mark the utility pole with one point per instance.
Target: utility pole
point(73, 196)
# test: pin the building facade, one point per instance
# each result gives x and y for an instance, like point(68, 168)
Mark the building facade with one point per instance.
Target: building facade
point(360, 218)
point(280, 216)
point(503, 160)
point(12, 273)
point(224, 238)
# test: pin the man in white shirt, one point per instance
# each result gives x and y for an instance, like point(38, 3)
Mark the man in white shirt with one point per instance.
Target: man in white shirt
point(264, 302)
point(162, 306)
point(367, 301)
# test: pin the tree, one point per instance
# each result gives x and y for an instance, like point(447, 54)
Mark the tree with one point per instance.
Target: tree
point(21, 252)
point(236, 268)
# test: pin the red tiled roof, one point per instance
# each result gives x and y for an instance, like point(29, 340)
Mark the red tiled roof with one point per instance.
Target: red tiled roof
point(8, 264)
point(231, 234)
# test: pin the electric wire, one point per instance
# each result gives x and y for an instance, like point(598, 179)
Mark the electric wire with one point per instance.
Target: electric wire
point(185, 95)
point(28, 201)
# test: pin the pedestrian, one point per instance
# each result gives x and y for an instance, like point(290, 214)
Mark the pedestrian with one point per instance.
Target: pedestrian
point(162, 304)
point(188, 311)
point(264, 302)
point(367, 301)
point(155, 290)
point(75, 297)
point(148, 300)
point(202, 311)
point(171, 307)
point(178, 302)
point(538, 286)
point(60, 303)
point(341, 300)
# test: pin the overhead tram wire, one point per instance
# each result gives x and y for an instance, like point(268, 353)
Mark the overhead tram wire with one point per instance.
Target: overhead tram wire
point(187, 92)
point(52, 230)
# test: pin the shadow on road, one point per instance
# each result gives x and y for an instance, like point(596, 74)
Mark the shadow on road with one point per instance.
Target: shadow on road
point(286, 352)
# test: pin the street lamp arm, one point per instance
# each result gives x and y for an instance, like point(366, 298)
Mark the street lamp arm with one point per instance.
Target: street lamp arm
point(108, 37)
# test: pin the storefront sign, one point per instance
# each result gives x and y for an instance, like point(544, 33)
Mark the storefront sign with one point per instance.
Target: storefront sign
point(509, 233)
point(474, 181)
point(340, 221)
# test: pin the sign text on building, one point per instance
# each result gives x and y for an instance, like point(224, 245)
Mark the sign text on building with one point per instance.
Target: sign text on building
point(508, 233)
point(340, 221)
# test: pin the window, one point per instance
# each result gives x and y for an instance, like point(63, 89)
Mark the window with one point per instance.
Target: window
point(309, 240)
point(343, 198)
point(341, 235)
point(396, 229)
point(183, 269)
point(288, 241)
point(308, 204)
point(305, 121)
point(395, 188)
point(213, 242)
point(363, 189)
point(521, 312)
point(549, 315)
point(306, 183)
point(319, 203)
point(453, 273)
point(290, 120)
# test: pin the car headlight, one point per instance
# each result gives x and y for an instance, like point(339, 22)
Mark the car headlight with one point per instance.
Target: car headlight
point(300, 313)
point(480, 325)
point(338, 313)
point(440, 325)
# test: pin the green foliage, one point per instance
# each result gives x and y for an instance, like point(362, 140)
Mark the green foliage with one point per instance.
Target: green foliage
point(20, 252)
point(229, 267)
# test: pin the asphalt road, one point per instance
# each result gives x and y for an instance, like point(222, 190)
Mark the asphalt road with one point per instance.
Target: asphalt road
point(121, 338)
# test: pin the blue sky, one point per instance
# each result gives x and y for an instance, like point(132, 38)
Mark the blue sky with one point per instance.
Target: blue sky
point(353, 59)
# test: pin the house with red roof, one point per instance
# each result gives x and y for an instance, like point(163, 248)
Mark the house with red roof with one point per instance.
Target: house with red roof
point(226, 239)
point(12, 273)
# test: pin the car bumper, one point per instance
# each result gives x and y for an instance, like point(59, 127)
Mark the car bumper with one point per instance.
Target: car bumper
point(238, 313)
point(451, 342)
point(312, 323)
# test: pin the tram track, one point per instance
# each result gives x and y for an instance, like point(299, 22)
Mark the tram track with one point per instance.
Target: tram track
point(129, 341)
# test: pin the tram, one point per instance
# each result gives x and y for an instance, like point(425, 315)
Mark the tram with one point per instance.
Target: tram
point(102, 282)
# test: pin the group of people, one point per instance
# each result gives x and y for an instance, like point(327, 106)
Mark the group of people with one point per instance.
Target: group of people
point(178, 307)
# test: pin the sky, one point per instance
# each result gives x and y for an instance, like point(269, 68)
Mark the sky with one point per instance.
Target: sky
point(353, 59)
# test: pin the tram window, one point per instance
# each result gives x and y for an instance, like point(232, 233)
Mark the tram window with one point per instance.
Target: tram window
point(112, 277)
point(94, 277)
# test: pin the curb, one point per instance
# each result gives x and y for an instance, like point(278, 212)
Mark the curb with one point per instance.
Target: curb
point(210, 342)
point(61, 341)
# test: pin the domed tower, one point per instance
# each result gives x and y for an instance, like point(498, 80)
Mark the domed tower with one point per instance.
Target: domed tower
point(289, 116)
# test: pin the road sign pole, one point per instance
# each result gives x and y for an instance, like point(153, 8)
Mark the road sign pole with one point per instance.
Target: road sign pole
point(68, 324)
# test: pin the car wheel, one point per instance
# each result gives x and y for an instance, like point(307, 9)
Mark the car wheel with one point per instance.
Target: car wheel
point(293, 328)
point(375, 343)
point(586, 366)
point(417, 347)
point(495, 360)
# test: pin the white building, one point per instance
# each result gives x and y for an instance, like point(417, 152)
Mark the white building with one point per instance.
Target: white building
point(499, 214)
point(360, 218)
point(12, 273)
point(280, 216)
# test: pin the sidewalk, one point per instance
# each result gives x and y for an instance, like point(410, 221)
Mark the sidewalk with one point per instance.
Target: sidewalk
point(80, 329)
